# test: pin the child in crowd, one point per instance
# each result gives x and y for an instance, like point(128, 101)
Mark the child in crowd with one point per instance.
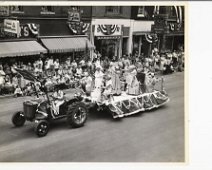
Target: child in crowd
point(18, 92)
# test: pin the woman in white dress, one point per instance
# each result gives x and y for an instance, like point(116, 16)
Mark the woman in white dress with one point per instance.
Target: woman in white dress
point(133, 86)
point(98, 84)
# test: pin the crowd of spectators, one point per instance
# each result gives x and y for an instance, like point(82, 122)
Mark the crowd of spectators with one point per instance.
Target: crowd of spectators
point(70, 73)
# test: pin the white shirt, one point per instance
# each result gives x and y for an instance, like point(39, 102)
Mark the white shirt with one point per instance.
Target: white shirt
point(56, 65)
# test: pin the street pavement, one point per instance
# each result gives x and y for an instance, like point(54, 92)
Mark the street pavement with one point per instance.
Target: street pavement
point(153, 136)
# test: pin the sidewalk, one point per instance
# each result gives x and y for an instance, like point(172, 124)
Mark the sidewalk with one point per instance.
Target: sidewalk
point(74, 90)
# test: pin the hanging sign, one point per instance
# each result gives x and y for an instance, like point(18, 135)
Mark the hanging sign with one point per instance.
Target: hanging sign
point(12, 26)
point(29, 30)
point(107, 30)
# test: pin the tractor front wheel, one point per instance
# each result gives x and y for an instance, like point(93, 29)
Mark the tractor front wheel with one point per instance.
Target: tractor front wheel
point(18, 119)
point(42, 128)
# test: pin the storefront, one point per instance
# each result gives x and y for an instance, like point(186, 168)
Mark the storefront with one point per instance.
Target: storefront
point(171, 42)
point(23, 51)
point(142, 37)
point(170, 34)
point(18, 44)
point(111, 37)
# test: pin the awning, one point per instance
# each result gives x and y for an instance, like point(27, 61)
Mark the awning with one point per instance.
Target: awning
point(67, 44)
point(20, 48)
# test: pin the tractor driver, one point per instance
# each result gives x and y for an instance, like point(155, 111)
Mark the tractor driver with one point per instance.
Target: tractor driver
point(58, 95)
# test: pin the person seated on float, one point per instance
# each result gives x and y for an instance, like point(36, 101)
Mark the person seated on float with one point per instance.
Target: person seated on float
point(59, 99)
point(87, 83)
point(108, 88)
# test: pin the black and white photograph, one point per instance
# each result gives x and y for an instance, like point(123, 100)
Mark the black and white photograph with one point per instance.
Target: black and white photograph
point(89, 83)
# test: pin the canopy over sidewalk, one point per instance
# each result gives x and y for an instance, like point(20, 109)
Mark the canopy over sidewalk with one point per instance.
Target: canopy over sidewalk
point(20, 48)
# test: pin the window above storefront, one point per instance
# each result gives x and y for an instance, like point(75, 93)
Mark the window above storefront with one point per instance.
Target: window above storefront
point(113, 10)
point(16, 10)
point(47, 10)
point(141, 11)
point(4, 10)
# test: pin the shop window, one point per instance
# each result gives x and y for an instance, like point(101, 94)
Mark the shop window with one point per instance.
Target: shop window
point(16, 9)
point(74, 8)
point(47, 10)
point(163, 10)
point(141, 12)
point(4, 10)
point(113, 10)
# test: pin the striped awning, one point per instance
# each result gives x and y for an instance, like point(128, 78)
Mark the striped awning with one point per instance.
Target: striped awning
point(67, 44)
point(20, 48)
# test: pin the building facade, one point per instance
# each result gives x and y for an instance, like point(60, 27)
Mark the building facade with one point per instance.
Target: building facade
point(62, 30)
point(111, 30)
point(142, 19)
point(169, 27)
point(51, 20)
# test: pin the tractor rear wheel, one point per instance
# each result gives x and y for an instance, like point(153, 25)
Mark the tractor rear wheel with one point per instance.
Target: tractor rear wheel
point(77, 114)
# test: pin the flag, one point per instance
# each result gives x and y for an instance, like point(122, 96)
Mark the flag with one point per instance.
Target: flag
point(27, 75)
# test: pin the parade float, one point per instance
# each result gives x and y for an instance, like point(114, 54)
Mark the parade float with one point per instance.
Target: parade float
point(75, 109)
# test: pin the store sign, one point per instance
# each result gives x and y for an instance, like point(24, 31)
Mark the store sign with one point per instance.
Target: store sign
point(30, 30)
point(107, 30)
point(4, 10)
point(12, 26)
